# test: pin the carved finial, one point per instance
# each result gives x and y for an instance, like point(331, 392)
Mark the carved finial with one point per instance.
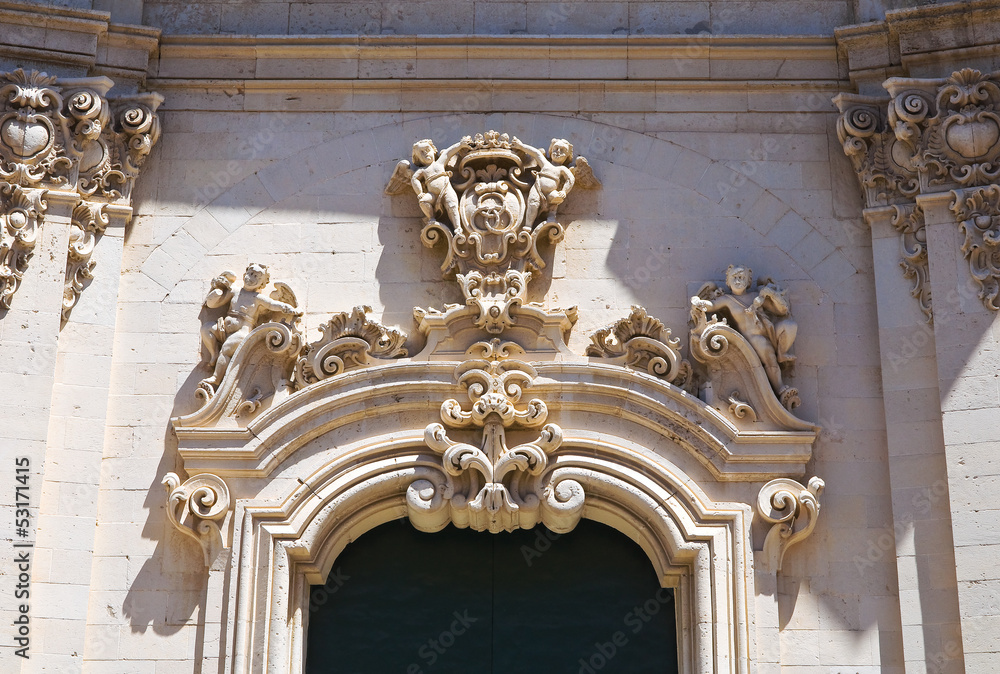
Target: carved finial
point(792, 510)
point(196, 507)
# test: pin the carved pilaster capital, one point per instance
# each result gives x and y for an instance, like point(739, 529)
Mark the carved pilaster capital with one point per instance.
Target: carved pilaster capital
point(67, 135)
point(197, 507)
point(932, 136)
point(792, 511)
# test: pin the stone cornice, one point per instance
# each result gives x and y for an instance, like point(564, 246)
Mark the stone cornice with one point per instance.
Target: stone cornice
point(76, 42)
point(930, 40)
point(546, 58)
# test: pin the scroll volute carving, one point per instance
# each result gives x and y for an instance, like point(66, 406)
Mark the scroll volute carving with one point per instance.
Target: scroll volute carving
point(978, 212)
point(792, 511)
point(198, 508)
point(642, 342)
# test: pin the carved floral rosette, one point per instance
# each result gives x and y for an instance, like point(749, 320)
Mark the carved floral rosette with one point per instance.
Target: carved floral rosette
point(642, 342)
point(349, 340)
point(197, 508)
point(792, 511)
point(494, 487)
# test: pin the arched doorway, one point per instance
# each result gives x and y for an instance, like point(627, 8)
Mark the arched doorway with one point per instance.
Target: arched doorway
point(463, 602)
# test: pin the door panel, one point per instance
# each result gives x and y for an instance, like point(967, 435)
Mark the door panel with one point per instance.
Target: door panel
point(465, 602)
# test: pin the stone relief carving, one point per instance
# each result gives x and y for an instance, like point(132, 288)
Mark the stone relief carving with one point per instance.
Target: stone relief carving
point(66, 135)
point(88, 223)
point(349, 340)
point(245, 310)
point(978, 211)
point(931, 136)
point(792, 510)
point(740, 409)
point(494, 487)
point(491, 200)
point(645, 344)
point(196, 508)
point(761, 317)
point(23, 211)
point(909, 222)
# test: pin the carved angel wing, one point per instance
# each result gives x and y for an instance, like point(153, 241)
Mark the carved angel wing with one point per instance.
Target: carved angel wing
point(710, 291)
point(283, 293)
point(400, 180)
point(584, 175)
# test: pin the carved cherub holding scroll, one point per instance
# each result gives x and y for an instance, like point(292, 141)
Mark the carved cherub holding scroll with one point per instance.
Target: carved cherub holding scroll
point(247, 309)
point(762, 317)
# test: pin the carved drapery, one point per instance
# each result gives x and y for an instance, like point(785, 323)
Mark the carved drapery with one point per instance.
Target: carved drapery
point(932, 136)
point(66, 136)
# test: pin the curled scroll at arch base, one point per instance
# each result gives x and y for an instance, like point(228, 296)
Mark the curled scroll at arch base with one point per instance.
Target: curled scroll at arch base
point(792, 511)
point(493, 487)
point(197, 508)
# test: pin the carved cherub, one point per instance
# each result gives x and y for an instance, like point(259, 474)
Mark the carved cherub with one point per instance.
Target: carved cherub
point(431, 180)
point(762, 317)
point(247, 309)
point(553, 181)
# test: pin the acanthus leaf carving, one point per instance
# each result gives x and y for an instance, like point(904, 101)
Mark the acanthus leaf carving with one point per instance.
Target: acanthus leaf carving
point(978, 211)
point(908, 220)
point(23, 212)
point(349, 340)
point(792, 510)
point(196, 507)
point(645, 344)
point(88, 223)
point(494, 487)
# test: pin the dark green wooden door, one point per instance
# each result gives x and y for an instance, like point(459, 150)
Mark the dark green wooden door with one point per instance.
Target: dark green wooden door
point(463, 602)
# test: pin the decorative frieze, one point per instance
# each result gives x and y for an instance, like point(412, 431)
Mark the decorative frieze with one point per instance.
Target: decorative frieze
point(792, 511)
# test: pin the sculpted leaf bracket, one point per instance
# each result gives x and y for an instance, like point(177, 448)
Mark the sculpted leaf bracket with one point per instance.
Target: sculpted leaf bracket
point(792, 510)
point(933, 135)
point(66, 136)
point(198, 508)
point(494, 487)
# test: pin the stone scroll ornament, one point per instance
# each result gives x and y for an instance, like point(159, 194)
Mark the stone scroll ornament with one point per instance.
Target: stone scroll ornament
point(196, 508)
point(933, 135)
point(792, 511)
point(491, 200)
point(493, 487)
point(762, 317)
point(66, 136)
point(642, 342)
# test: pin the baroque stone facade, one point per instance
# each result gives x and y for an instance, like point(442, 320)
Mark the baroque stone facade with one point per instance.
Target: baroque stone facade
point(285, 272)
